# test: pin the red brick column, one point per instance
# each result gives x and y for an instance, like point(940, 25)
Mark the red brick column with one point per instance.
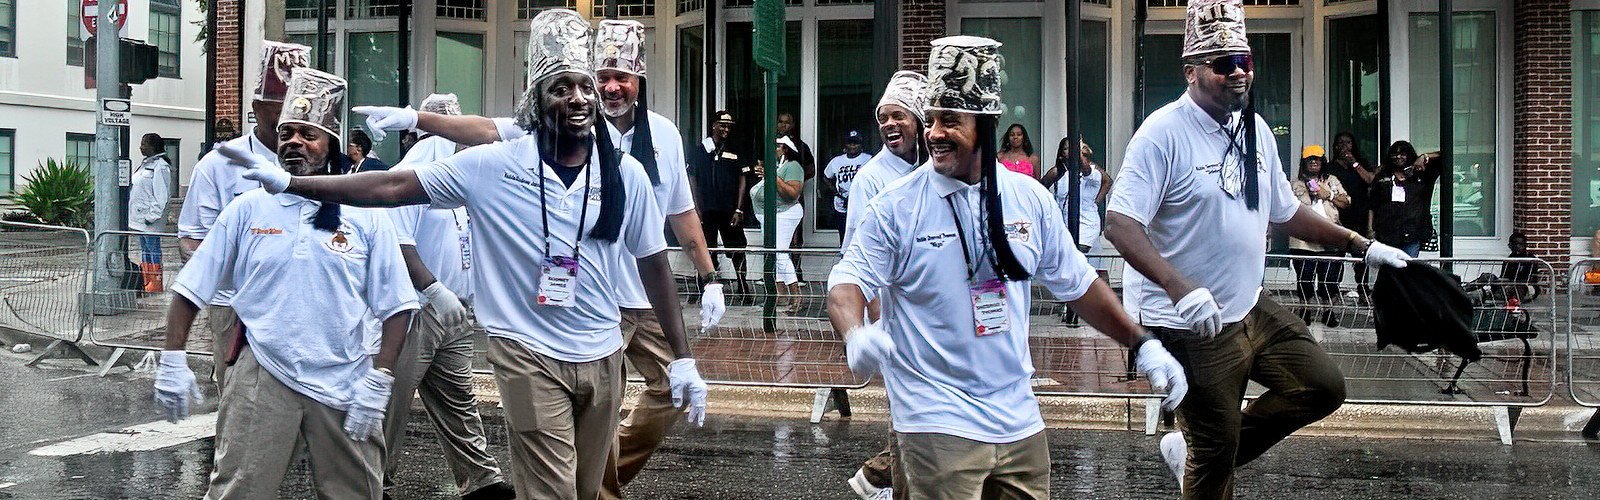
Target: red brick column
point(230, 93)
point(1542, 154)
point(921, 21)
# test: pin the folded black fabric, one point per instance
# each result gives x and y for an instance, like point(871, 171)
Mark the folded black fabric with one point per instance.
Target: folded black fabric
point(1421, 308)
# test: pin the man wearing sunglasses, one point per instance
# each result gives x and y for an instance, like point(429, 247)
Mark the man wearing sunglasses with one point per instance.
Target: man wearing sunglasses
point(1191, 215)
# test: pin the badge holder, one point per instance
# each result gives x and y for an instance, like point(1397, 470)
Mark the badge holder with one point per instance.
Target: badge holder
point(558, 280)
point(989, 310)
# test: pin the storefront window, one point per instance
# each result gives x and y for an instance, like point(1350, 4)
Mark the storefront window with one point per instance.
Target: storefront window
point(309, 40)
point(1354, 44)
point(459, 59)
point(1476, 104)
point(1092, 81)
point(372, 69)
point(1586, 123)
point(691, 85)
point(745, 91)
point(843, 49)
point(1021, 81)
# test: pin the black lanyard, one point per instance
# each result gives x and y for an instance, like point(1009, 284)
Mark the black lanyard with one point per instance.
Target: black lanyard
point(583, 214)
point(967, 254)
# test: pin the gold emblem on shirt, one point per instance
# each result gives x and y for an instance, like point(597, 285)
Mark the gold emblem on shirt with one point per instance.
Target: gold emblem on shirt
point(338, 242)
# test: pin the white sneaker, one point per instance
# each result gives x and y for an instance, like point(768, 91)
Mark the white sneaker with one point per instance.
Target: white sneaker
point(863, 488)
point(1175, 451)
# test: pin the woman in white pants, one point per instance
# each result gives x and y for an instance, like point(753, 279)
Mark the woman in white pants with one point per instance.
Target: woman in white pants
point(791, 178)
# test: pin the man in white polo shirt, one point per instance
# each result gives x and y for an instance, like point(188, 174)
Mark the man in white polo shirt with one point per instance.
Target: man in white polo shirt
point(900, 123)
point(1190, 214)
point(437, 360)
point(549, 210)
point(308, 276)
point(215, 182)
point(957, 246)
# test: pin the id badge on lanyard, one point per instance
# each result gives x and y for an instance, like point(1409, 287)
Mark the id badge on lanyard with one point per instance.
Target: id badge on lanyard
point(558, 282)
point(1398, 194)
point(464, 239)
point(989, 310)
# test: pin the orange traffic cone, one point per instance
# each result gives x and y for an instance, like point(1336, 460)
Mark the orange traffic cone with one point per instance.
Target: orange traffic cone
point(152, 277)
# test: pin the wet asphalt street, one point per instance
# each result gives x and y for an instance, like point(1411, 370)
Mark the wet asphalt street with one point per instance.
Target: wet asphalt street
point(739, 457)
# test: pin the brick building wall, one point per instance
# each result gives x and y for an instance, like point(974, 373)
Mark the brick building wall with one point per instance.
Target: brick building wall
point(230, 48)
point(1542, 151)
point(921, 21)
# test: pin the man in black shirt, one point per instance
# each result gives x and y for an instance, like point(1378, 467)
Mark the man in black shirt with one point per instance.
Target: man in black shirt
point(718, 177)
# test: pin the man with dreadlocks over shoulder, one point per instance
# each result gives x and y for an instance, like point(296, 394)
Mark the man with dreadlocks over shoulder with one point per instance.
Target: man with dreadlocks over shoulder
point(956, 247)
point(1190, 214)
point(549, 211)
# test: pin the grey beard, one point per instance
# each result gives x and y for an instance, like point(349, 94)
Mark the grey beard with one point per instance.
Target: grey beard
point(617, 113)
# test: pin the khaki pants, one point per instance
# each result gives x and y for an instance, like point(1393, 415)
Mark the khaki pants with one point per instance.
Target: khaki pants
point(653, 414)
point(562, 418)
point(946, 467)
point(219, 321)
point(262, 423)
point(437, 363)
point(1272, 347)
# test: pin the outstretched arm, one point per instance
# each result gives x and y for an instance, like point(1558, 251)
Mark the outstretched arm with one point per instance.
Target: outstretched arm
point(466, 130)
point(366, 189)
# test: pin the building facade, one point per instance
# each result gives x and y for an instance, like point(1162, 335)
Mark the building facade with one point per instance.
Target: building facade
point(45, 111)
point(1526, 80)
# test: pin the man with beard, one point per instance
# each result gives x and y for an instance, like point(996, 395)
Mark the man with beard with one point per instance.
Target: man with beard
point(307, 275)
point(900, 123)
point(215, 182)
point(437, 360)
point(562, 199)
point(955, 248)
point(1190, 212)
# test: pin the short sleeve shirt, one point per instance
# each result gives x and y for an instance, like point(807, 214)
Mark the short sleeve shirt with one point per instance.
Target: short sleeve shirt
point(943, 377)
point(884, 168)
point(1174, 180)
point(303, 294)
point(716, 175)
point(500, 186)
point(843, 169)
point(214, 184)
point(441, 236)
point(672, 195)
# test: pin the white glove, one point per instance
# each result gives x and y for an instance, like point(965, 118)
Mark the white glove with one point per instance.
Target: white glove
point(712, 306)
point(1201, 312)
point(1163, 371)
point(381, 119)
point(369, 399)
point(687, 385)
point(1379, 254)
point(176, 390)
point(257, 168)
point(866, 348)
point(445, 304)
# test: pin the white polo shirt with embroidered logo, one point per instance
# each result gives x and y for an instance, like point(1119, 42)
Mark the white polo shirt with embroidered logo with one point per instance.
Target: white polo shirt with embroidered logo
point(1172, 181)
point(215, 183)
point(884, 168)
point(499, 184)
point(943, 377)
point(672, 195)
point(440, 236)
point(303, 294)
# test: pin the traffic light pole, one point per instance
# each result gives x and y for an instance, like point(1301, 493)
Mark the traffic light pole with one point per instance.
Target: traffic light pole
point(107, 196)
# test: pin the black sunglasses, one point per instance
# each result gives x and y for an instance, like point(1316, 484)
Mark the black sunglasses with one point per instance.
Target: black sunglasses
point(1224, 65)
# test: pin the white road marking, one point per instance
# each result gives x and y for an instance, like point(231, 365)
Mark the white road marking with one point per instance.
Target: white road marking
point(143, 437)
point(70, 377)
point(6, 485)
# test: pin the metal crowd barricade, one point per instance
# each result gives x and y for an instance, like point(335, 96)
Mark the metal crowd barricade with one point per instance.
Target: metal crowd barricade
point(1583, 333)
point(42, 284)
point(130, 318)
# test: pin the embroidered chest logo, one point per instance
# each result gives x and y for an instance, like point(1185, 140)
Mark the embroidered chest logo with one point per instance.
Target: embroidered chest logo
point(1019, 231)
point(519, 179)
point(265, 231)
point(936, 240)
point(338, 242)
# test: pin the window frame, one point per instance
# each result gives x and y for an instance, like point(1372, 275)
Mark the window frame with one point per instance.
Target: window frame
point(173, 147)
point(75, 35)
point(72, 137)
point(9, 176)
point(167, 8)
point(9, 25)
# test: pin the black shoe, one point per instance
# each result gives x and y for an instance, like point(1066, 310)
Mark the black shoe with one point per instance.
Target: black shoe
point(1331, 320)
point(496, 491)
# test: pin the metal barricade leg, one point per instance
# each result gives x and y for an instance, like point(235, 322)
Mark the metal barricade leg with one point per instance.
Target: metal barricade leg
point(829, 399)
point(61, 349)
point(1505, 421)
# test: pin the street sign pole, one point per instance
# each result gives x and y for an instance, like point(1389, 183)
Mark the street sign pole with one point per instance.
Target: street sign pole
point(769, 55)
point(107, 199)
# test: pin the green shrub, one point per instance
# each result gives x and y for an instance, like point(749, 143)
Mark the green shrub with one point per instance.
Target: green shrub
point(59, 193)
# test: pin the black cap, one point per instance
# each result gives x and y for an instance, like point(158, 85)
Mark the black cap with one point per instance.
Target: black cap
point(723, 116)
point(853, 137)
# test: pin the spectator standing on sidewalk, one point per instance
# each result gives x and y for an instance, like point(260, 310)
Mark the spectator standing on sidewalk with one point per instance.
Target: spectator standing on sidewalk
point(1198, 189)
point(1355, 173)
point(148, 198)
point(720, 178)
point(790, 178)
point(1402, 195)
point(1324, 196)
point(1016, 151)
point(841, 172)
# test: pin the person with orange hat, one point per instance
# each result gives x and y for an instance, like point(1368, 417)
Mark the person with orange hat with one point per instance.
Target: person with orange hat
point(1322, 193)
